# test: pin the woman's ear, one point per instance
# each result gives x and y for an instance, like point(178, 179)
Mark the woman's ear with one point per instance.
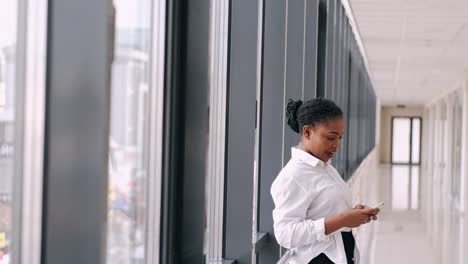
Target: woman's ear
point(307, 131)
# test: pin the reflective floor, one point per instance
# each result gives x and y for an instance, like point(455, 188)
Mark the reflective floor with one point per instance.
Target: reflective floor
point(401, 237)
point(401, 234)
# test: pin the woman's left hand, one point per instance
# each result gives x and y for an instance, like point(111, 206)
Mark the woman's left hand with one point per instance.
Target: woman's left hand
point(360, 206)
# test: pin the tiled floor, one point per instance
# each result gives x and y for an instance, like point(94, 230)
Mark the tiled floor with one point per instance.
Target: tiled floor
point(399, 236)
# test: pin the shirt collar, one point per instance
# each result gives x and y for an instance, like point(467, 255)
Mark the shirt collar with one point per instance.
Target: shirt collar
point(307, 158)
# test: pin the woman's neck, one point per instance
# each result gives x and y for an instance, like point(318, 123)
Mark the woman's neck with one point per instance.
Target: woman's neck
point(302, 147)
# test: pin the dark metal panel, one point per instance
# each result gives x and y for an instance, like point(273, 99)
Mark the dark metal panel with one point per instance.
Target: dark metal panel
point(374, 117)
point(330, 49)
point(311, 46)
point(368, 118)
point(172, 133)
point(241, 131)
point(194, 101)
point(353, 116)
point(361, 129)
point(342, 87)
point(322, 48)
point(357, 117)
point(346, 87)
point(338, 88)
point(272, 120)
point(365, 115)
point(337, 50)
point(185, 132)
point(294, 67)
point(77, 132)
point(295, 48)
point(350, 129)
point(349, 83)
point(360, 112)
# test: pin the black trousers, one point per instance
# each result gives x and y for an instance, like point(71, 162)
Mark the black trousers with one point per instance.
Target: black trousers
point(349, 244)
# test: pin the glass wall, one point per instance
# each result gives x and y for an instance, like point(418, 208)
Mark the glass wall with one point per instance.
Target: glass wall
point(128, 173)
point(8, 26)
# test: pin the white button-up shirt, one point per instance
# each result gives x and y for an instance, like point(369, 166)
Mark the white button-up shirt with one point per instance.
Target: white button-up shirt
point(305, 192)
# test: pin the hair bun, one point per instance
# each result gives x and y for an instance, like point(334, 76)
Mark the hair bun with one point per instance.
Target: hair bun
point(291, 114)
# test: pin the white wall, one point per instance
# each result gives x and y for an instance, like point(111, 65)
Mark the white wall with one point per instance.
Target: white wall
point(464, 178)
point(441, 207)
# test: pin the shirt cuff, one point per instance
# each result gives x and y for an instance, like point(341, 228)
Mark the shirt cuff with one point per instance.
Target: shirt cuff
point(320, 229)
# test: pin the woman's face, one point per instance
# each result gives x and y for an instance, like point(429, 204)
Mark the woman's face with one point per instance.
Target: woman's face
point(323, 139)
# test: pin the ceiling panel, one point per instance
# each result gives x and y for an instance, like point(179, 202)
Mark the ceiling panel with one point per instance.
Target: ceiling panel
point(416, 49)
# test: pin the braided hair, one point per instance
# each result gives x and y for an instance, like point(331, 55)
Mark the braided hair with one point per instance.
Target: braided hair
point(314, 111)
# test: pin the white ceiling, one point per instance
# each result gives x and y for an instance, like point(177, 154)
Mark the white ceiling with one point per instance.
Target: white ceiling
point(416, 49)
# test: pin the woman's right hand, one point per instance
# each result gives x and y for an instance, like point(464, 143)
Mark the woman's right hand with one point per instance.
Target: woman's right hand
point(356, 217)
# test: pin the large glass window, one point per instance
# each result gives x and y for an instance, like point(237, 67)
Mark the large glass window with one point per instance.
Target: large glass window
point(401, 140)
point(128, 173)
point(8, 26)
point(406, 140)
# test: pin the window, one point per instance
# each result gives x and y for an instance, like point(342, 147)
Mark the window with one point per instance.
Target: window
point(8, 26)
point(128, 148)
point(322, 48)
point(406, 140)
point(213, 233)
point(401, 140)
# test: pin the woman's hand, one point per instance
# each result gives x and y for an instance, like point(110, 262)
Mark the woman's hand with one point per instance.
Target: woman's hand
point(352, 218)
point(360, 206)
point(359, 215)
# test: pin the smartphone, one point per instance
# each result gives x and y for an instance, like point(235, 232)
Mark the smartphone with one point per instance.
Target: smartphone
point(379, 205)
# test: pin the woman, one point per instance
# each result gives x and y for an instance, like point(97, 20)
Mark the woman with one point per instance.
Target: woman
point(313, 215)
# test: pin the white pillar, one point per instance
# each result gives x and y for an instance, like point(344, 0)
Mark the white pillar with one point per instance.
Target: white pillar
point(447, 177)
point(437, 178)
point(429, 173)
point(464, 178)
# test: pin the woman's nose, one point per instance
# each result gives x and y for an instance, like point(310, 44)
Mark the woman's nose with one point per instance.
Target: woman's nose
point(337, 144)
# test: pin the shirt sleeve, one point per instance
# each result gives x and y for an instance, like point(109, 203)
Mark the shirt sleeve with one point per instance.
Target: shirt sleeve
point(291, 227)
